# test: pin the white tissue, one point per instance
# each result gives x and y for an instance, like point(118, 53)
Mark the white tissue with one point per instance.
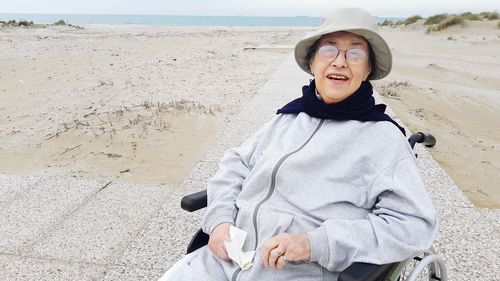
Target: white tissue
point(234, 248)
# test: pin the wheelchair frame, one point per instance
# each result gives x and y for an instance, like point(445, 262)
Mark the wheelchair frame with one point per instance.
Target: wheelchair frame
point(427, 262)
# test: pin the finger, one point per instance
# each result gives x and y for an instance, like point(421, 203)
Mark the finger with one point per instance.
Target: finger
point(223, 254)
point(281, 262)
point(274, 256)
point(223, 251)
point(266, 251)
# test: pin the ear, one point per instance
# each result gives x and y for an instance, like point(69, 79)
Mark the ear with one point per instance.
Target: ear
point(368, 71)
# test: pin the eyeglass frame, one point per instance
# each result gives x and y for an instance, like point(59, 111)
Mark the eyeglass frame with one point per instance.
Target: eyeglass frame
point(314, 47)
point(363, 52)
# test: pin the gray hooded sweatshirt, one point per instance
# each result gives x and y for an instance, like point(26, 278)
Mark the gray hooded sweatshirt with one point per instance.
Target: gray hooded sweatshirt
point(352, 186)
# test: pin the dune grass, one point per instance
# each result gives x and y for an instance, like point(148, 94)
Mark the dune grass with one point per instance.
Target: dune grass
point(435, 19)
point(387, 23)
point(470, 16)
point(30, 24)
point(412, 19)
point(60, 22)
point(489, 15)
point(443, 21)
point(454, 20)
point(407, 21)
point(14, 23)
point(444, 24)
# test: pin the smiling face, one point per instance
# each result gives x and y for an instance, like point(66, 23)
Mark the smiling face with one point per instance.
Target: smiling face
point(336, 78)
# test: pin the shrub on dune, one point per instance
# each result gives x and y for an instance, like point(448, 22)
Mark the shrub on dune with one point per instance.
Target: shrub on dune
point(60, 22)
point(14, 23)
point(454, 20)
point(493, 16)
point(386, 23)
point(470, 16)
point(444, 24)
point(412, 19)
point(489, 15)
point(435, 19)
point(25, 23)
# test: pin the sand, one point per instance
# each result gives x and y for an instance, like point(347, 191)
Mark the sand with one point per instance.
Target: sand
point(446, 83)
point(144, 103)
point(133, 102)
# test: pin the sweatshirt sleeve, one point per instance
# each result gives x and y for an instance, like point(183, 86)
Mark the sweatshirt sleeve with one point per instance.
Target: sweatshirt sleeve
point(401, 223)
point(224, 187)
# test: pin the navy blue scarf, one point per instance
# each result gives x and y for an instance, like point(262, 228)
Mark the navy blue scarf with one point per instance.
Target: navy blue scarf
point(358, 106)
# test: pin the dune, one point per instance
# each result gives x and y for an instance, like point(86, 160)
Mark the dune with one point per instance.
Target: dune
point(446, 83)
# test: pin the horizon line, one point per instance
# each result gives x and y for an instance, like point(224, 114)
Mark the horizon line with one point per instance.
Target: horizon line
point(182, 15)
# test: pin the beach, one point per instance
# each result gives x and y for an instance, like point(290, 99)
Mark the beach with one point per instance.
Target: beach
point(143, 103)
point(137, 103)
point(104, 129)
point(446, 83)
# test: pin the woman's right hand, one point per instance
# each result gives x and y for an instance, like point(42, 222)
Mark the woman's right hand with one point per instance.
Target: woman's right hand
point(217, 238)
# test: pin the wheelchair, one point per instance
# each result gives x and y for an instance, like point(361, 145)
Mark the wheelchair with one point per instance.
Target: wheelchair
point(424, 266)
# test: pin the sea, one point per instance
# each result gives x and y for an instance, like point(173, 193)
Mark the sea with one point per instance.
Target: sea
point(170, 20)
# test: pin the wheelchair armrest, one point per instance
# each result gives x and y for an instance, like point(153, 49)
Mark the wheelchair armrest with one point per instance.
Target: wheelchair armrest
point(199, 240)
point(194, 201)
point(359, 271)
point(426, 139)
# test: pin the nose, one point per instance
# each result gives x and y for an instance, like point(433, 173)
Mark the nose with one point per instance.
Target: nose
point(340, 60)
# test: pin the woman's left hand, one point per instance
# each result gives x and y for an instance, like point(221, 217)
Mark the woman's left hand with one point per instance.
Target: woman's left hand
point(285, 248)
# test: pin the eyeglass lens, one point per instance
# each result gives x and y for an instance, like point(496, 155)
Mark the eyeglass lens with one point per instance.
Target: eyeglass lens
point(353, 56)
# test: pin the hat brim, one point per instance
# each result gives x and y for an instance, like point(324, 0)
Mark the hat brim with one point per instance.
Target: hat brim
point(382, 64)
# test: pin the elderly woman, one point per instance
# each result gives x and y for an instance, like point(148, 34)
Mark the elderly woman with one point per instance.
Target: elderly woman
point(331, 180)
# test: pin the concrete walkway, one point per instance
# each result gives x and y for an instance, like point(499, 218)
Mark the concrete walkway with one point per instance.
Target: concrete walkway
point(54, 228)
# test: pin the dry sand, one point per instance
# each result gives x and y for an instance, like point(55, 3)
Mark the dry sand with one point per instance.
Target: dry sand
point(143, 103)
point(446, 83)
point(132, 102)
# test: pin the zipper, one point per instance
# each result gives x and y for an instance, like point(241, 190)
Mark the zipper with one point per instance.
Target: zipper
point(235, 274)
point(271, 190)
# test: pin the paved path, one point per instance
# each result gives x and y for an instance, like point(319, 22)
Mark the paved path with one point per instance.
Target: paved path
point(54, 228)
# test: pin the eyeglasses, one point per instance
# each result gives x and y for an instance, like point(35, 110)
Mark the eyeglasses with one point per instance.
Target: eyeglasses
point(352, 56)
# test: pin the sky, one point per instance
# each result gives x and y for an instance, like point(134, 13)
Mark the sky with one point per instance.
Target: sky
point(381, 8)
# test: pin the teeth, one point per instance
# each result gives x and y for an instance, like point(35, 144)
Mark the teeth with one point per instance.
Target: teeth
point(335, 76)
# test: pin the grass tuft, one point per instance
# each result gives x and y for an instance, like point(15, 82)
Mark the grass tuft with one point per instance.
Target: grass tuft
point(493, 16)
point(450, 21)
point(435, 19)
point(25, 23)
point(386, 23)
point(470, 16)
point(489, 15)
point(454, 20)
point(412, 19)
point(60, 22)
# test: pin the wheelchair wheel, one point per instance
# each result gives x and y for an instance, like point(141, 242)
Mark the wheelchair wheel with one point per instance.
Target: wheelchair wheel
point(424, 267)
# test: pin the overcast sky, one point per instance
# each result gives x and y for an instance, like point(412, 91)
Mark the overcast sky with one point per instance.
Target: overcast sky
point(382, 8)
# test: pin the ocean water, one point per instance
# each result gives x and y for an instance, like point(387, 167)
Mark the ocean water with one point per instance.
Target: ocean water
point(81, 19)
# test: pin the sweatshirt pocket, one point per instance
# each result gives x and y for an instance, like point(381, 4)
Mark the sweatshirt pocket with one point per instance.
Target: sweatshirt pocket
point(272, 223)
